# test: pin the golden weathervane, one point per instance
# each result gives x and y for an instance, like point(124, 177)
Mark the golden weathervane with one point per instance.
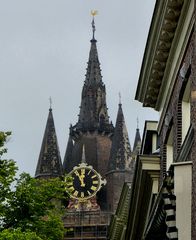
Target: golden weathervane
point(93, 13)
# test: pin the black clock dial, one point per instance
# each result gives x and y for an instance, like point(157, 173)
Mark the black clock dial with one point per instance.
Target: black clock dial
point(85, 183)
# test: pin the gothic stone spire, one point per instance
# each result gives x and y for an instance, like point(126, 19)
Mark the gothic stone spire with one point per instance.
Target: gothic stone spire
point(93, 109)
point(49, 162)
point(137, 142)
point(120, 166)
point(120, 155)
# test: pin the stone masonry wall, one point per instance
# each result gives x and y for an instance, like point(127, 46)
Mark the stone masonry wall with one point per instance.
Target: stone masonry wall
point(115, 182)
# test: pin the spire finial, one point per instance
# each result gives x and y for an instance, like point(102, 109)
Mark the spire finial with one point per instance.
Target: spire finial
point(93, 13)
point(119, 94)
point(83, 155)
point(50, 100)
point(137, 123)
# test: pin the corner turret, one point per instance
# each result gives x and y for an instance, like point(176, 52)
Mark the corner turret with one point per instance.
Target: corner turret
point(121, 165)
point(49, 162)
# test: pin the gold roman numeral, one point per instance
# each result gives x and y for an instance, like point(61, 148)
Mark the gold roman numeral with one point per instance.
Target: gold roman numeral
point(94, 176)
point(95, 182)
point(71, 189)
point(69, 183)
point(82, 194)
point(93, 188)
point(75, 193)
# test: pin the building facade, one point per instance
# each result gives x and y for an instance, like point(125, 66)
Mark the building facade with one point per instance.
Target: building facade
point(167, 84)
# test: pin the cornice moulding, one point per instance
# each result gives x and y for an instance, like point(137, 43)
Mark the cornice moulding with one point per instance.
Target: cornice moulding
point(167, 23)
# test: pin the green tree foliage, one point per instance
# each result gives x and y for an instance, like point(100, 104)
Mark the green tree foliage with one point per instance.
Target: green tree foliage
point(7, 173)
point(29, 207)
point(17, 234)
point(50, 227)
point(36, 205)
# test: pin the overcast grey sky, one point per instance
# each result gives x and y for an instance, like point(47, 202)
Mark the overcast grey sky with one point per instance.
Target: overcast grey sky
point(44, 48)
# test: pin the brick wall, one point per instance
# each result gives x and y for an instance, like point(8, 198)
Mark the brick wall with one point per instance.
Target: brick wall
point(173, 115)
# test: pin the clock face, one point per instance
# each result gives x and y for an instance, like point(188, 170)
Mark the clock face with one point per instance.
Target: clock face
point(85, 182)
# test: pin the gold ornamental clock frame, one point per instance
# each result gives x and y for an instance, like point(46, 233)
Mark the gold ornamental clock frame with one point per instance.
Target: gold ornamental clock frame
point(84, 182)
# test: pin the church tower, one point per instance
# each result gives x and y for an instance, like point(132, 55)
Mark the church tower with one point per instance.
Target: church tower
point(96, 151)
point(49, 162)
point(93, 129)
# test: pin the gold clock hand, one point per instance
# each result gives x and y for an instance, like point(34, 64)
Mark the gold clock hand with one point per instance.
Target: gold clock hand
point(81, 178)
